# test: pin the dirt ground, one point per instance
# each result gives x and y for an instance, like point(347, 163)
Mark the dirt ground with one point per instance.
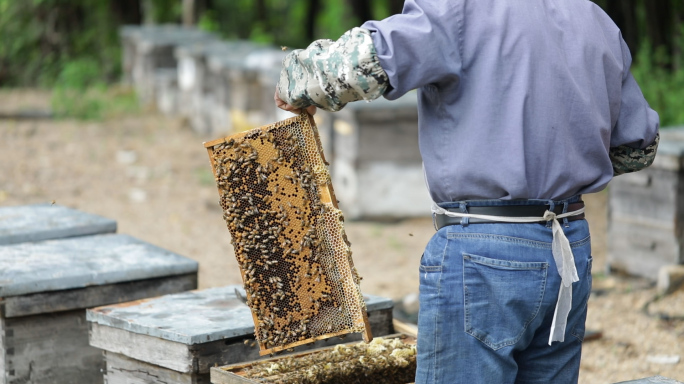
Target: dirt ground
point(152, 175)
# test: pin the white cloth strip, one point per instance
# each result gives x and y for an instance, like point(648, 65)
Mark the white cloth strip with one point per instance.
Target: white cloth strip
point(562, 255)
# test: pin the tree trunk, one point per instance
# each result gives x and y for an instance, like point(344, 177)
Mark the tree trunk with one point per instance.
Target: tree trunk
point(659, 22)
point(361, 9)
point(126, 11)
point(623, 13)
point(189, 14)
point(312, 12)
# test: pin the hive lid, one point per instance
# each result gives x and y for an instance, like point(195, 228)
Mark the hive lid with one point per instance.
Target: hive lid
point(193, 317)
point(84, 261)
point(44, 222)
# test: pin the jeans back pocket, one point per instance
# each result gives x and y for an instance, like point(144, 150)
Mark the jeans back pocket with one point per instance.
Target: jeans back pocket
point(501, 298)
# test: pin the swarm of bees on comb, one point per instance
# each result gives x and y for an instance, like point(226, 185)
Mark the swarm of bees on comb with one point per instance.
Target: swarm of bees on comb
point(383, 361)
point(288, 235)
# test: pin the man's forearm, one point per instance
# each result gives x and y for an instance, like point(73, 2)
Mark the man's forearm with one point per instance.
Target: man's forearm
point(329, 74)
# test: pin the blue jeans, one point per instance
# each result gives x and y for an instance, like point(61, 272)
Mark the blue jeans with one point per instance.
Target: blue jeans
point(487, 298)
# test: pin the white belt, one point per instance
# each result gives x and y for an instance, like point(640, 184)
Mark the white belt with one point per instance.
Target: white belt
point(562, 254)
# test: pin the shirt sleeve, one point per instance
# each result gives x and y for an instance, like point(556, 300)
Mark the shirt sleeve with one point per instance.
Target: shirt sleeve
point(415, 48)
point(634, 137)
point(329, 74)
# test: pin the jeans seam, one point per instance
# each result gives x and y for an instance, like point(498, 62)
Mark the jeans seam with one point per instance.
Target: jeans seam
point(510, 239)
point(586, 302)
point(438, 318)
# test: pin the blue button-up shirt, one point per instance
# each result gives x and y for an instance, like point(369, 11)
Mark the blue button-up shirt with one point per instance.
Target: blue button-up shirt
point(517, 99)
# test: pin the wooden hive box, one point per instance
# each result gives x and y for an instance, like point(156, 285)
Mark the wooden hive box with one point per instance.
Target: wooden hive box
point(376, 164)
point(154, 49)
point(178, 338)
point(166, 91)
point(246, 108)
point(45, 287)
point(195, 82)
point(226, 95)
point(356, 369)
point(646, 212)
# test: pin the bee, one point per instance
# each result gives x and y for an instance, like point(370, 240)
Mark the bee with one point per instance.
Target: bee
point(283, 48)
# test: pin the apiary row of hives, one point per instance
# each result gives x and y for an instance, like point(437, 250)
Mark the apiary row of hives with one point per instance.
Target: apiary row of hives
point(223, 87)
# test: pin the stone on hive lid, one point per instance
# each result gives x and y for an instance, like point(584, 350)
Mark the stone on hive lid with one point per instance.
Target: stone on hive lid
point(45, 221)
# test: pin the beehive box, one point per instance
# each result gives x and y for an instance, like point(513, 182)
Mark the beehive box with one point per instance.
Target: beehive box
point(646, 212)
point(220, 101)
point(288, 236)
point(246, 104)
point(166, 91)
point(154, 49)
point(194, 80)
point(176, 338)
point(376, 164)
point(389, 360)
point(45, 287)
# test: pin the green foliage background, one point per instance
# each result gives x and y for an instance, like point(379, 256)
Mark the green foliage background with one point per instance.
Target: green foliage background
point(72, 46)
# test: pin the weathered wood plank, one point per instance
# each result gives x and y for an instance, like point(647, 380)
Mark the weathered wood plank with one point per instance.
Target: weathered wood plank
point(45, 221)
point(80, 262)
point(641, 249)
point(3, 372)
point(50, 348)
point(651, 193)
point(81, 298)
point(164, 353)
point(122, 370)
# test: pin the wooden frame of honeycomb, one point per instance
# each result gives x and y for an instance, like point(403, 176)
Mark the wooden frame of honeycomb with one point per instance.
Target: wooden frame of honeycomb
point(389, 359)
point(288, 235)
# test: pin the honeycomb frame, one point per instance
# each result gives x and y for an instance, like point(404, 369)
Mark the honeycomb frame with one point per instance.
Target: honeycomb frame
point(288, 234)
point(387, 359)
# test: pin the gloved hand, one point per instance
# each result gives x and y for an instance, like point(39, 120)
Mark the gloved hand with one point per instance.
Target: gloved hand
point(287, 107)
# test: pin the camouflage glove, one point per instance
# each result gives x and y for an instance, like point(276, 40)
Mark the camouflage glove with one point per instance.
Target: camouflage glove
point(626, 159)
point(329, 74)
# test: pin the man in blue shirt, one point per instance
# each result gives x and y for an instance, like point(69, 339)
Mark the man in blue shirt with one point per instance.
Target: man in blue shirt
point(523, 107)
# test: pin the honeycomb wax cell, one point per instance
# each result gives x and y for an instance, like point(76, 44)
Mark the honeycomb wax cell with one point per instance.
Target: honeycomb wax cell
point(288, 234)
